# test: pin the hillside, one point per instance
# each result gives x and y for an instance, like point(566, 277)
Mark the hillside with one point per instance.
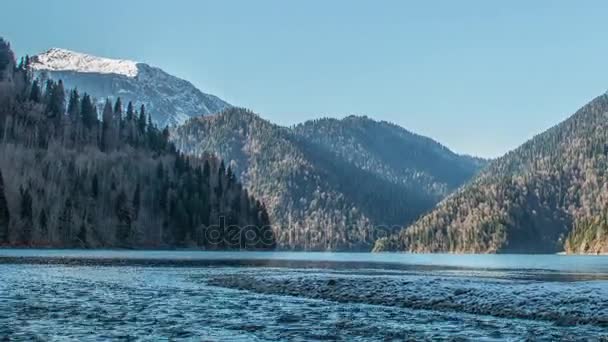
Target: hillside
point(168, 99)
point(393, 153)
point(68, 179)
point(548, 195)
point(325, 195)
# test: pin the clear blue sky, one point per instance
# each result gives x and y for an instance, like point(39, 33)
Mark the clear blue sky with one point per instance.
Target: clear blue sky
point(479, 76)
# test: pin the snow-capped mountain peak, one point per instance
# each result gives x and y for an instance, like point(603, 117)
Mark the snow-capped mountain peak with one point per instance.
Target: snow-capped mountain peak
point(168, 99)
point(56, 59)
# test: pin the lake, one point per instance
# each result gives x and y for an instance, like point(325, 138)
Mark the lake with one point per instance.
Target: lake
point(293, 296)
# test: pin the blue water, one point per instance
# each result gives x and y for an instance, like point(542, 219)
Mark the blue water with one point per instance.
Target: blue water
point(320, 297)
point(596, 264)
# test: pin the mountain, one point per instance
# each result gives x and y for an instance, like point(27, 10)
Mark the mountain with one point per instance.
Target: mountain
point(68, 179)
point(393, 153)
point(549, 195)
point(329, 184)
point(168, 99)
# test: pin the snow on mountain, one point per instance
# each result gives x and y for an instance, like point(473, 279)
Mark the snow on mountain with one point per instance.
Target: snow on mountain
point(168, 99)
point(65, 60)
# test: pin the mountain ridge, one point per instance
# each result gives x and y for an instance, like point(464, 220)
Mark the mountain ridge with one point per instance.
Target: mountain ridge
point(308, 187)
point(548, 195)
point(168, 99)
point(373, 140)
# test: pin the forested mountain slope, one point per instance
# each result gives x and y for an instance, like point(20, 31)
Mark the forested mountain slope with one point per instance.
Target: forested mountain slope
point(324, 194)
point(549, 195)
point(393, 153)
point(68, 179)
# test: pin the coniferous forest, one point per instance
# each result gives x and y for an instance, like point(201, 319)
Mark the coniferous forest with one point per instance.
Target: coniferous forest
point(548, 195)
point(71, 179)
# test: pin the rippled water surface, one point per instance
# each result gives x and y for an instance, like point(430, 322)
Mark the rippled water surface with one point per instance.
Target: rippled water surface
point(101, 295)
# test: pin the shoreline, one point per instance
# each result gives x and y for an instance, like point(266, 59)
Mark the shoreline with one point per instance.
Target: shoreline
point(356, 251)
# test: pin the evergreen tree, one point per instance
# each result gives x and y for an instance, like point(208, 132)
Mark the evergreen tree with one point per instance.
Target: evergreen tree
point(129, 125)
point(74, 116)
point(136, 201)
point(107, 128)
point(265, 234)
point(26, 216)
point(130, 112)
point(35, 92)
point(118, 109)
point(88, 113)
point(48, 94)
point(66, 221)
point(43, 224)
point(124, 216)
point(74, 107)
point(56, 107)
point(141, 122)
point(6, 58)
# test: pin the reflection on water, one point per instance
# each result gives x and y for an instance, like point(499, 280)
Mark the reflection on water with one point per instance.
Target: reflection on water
point(244, 303)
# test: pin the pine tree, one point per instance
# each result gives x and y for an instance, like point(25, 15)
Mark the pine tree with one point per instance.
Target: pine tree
point(88, 113)
point(43, 224)
point(26, 216)
point(118, 109)
point(74, 107)
point(136, 201)
point(130, 112)
point(4, 214)
point(265, 234)
point(107, 128)
point(141, 122)
point(74, 116)
point(66, 221)
point(150, 136)
point(6, 58)
point(35, 92)
point(130, 133)
point(48, 92)
point(125, 219)
point(56, 107)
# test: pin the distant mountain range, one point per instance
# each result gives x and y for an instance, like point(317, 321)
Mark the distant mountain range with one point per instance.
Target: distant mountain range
point(168, 99)
point(548, 195)
point(330, 184)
